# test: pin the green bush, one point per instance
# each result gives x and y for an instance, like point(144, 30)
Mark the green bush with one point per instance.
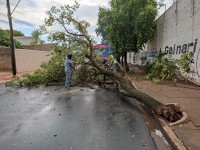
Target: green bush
point(51, 72)
point(161, 70)
point(18, 44)
point(185, 61)
point(5, 38)
point(147, 67)
point(164, 68)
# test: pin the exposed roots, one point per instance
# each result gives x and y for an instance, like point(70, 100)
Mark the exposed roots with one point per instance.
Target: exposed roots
point(170, 112)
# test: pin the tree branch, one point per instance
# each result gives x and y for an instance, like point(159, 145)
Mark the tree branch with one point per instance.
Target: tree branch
point(74, 34)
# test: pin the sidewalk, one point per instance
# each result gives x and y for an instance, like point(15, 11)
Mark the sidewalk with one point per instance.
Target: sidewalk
point(187, 97)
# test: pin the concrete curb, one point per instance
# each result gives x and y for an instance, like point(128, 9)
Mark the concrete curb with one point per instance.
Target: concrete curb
point(184, 119)
point(167, 128)
point(172, 136)
point(170, 133)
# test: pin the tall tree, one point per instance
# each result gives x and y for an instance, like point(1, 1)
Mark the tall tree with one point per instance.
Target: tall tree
point(83, 45)
point(15, 32)
point(127, 25)
point(5, 40)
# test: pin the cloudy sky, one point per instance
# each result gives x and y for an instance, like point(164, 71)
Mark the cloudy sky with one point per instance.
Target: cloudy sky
point(32, 13)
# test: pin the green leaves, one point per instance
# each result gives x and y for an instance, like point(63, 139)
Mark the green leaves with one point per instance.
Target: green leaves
point(5, 40)
point(51, 72)
point(185, 61)
point(164, 69)
point(64, 29)
point(127, 25)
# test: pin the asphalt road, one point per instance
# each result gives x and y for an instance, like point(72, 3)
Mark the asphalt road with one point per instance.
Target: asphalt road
point(51, 118)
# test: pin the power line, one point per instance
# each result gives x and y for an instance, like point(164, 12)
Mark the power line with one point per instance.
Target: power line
point(25, 23)
point(19, 21)
point(15, 7)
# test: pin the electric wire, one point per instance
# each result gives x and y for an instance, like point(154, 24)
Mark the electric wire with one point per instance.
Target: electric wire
point(19, 21)
point(15, 7)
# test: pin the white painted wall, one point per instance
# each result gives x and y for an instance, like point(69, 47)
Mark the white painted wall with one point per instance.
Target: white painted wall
point(30, 60)
point(134, 58)
point(25, 40)
point(178, 32)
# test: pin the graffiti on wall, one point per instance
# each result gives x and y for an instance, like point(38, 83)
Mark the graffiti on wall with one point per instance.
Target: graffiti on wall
point(178, 33)
point(176, 50)
point(181, 49)
point(150, 53)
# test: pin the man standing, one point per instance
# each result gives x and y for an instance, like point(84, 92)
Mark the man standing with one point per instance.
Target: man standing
point(68, 68)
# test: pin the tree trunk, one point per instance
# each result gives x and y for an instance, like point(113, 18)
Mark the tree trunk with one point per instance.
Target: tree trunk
point(125, 62)
point(122, 60)
point(118, 59)
point(171, 113)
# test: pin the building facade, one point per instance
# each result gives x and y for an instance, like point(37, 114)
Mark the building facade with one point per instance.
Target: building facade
point(24, 40)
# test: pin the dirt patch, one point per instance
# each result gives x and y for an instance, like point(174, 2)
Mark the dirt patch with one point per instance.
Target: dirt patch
point(6, 76)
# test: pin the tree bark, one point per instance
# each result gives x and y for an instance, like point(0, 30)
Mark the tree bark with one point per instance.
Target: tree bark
point(122, 60)
point(126, 87)
point(125, 62)
point(118, 59)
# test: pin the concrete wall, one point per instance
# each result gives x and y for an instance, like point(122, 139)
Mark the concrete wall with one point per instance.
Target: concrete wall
point(26, 60)
point(5, 58)
point(178, 32)
point(179, 25)
point(30, 60)
point(134, 58)
point(41, 47)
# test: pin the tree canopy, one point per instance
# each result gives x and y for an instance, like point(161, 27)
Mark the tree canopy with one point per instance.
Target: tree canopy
point(127, 25)
point(15, 32)
point(132, 23)
point(5, 38)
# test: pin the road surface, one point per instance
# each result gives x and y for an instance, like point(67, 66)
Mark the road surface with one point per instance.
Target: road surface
point(51, 118)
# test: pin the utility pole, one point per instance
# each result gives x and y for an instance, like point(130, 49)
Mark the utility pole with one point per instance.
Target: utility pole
point(12, 47)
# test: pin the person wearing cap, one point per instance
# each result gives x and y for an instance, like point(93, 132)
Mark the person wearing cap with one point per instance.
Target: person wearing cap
point(68, 68)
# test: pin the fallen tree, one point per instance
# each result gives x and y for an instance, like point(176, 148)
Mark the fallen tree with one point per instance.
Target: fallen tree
point(82, 44)
point(170, 112)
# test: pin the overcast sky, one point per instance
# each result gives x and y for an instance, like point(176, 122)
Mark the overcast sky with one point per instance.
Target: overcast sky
point(32, 12)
